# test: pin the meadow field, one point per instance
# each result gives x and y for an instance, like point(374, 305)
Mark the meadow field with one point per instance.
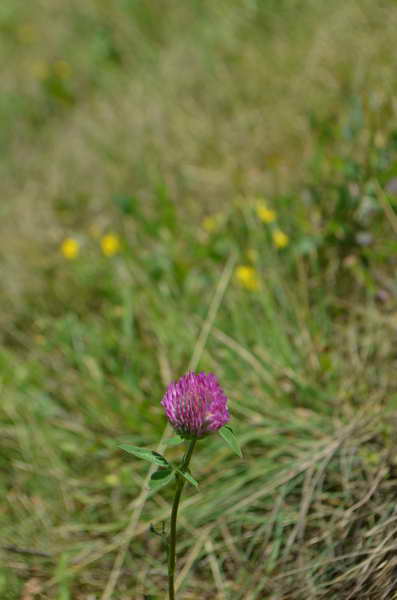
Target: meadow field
point(208, 185)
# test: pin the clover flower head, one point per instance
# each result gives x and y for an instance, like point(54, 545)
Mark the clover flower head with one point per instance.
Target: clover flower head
point(196, 405)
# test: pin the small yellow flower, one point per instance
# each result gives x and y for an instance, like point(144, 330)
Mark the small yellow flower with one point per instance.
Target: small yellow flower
point(70, 248)
point(211, 223)
point(247, 277)
point(112, 479)
point(280, 239)
point(265, 214)
point(110, 244)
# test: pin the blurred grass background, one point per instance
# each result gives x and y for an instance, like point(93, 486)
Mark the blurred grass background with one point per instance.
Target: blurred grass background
point(209, 184)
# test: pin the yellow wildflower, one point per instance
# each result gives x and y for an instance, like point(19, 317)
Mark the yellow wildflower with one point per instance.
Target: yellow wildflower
point(70, 248)
point(265, 214)
point(211, 223)
point(247, 277)
point(280, 239)
point(110, 244)
point(112, 479)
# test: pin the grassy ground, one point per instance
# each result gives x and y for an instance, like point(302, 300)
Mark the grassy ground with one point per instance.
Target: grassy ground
point(240, 157)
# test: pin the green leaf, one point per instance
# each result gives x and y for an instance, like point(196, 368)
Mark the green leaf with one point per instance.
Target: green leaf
point(149, 455)
point(174, 441)
point(188, 477)
point(230, 439)
point(161, 477)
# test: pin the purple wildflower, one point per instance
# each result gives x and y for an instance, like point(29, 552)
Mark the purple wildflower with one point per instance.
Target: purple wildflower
point(196, 405)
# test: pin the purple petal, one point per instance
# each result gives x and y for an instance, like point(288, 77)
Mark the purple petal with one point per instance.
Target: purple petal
point(196, 405)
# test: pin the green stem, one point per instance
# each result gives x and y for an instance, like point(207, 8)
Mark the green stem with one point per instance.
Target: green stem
point(180, 482)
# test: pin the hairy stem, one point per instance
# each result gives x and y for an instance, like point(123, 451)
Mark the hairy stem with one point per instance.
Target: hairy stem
point(180, 482)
